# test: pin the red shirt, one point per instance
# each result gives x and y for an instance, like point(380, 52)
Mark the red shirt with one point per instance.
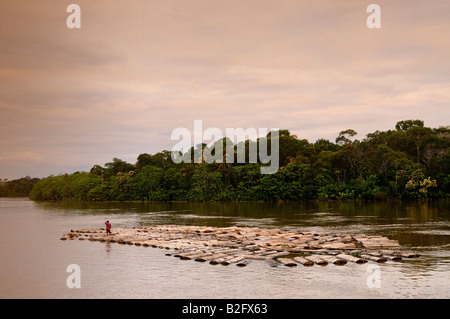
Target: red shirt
point(108, 225)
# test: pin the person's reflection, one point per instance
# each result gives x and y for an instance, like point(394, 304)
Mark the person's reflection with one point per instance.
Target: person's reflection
point(108, 246)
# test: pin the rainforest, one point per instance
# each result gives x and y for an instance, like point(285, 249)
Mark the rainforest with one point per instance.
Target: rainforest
point(407, 162)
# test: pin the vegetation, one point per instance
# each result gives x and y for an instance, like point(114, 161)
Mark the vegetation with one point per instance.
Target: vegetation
point(17, 188)
point(412, 161)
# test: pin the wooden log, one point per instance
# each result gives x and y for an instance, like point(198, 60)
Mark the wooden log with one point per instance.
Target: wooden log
point(232, 260)
point(218, 258)
point(188, 255)
point(149, 243)
point(373, 253)
point(284, 235)
point(303, 261)
point(391, 255)
point(274, 254)
point(195, 256)
point(242, 263)
point(295, 250)
point(377, 259)
point(317, 260)
point(373, 242)
point(287, 262)
point(314, 245)
point(408, 255)
point(338, 246)
point(255, 257)
point(334, 260)
point(216, 261)
point(352, 258)
point(204, 258)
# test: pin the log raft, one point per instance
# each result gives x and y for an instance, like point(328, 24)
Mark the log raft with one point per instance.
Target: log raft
point(238, 245)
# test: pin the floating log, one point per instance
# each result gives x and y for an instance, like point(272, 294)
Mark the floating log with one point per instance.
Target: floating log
point(377, 259)
point(286, 235)
point(203, 258)
point(219, 258)
point(317, 260)
point(393, 257)
point(254, 257)
point(303, 261)
point(190, 255)
point(408, 255)
point(216, 261)
point(373, 242)
point(352, 258)
point(338, 246)
point(274, 254)
point(314, 245)
point(231, 260)
point(242, 263)
point(209, 255)
point(287, 262)
point(334, 260)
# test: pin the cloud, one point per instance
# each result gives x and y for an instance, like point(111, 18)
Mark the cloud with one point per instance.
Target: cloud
point(33, 157)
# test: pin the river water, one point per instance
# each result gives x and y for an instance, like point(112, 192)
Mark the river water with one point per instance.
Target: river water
point(34, 262)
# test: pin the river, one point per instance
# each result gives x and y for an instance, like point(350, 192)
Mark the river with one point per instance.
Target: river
point(34, 262)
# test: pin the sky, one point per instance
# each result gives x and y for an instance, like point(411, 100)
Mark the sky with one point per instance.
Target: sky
point(117, 87)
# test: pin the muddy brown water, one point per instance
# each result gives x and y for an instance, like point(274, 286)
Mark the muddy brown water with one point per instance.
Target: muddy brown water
point(34, 262)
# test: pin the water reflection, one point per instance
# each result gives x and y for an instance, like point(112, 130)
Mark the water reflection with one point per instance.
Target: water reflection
point(108, 247)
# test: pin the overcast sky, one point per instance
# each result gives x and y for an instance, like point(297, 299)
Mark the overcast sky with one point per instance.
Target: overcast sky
point(137, 70)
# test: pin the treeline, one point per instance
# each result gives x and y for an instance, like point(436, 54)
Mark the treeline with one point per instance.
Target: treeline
point(18, 187)
point(410, 161)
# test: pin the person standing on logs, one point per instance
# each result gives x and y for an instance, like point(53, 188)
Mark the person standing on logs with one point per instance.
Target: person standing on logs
point(108, 227)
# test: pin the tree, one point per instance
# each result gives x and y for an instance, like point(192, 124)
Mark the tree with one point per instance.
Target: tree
point(290, 146)
point(408, 124)
point(144, 160)
point(117, 166)
point(97, 170)
point(418, 134)
point(344, 137)
point(325, 145)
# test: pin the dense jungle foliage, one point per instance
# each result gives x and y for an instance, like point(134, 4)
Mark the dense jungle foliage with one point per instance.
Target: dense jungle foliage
point(410, 161)
point(18, 187)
